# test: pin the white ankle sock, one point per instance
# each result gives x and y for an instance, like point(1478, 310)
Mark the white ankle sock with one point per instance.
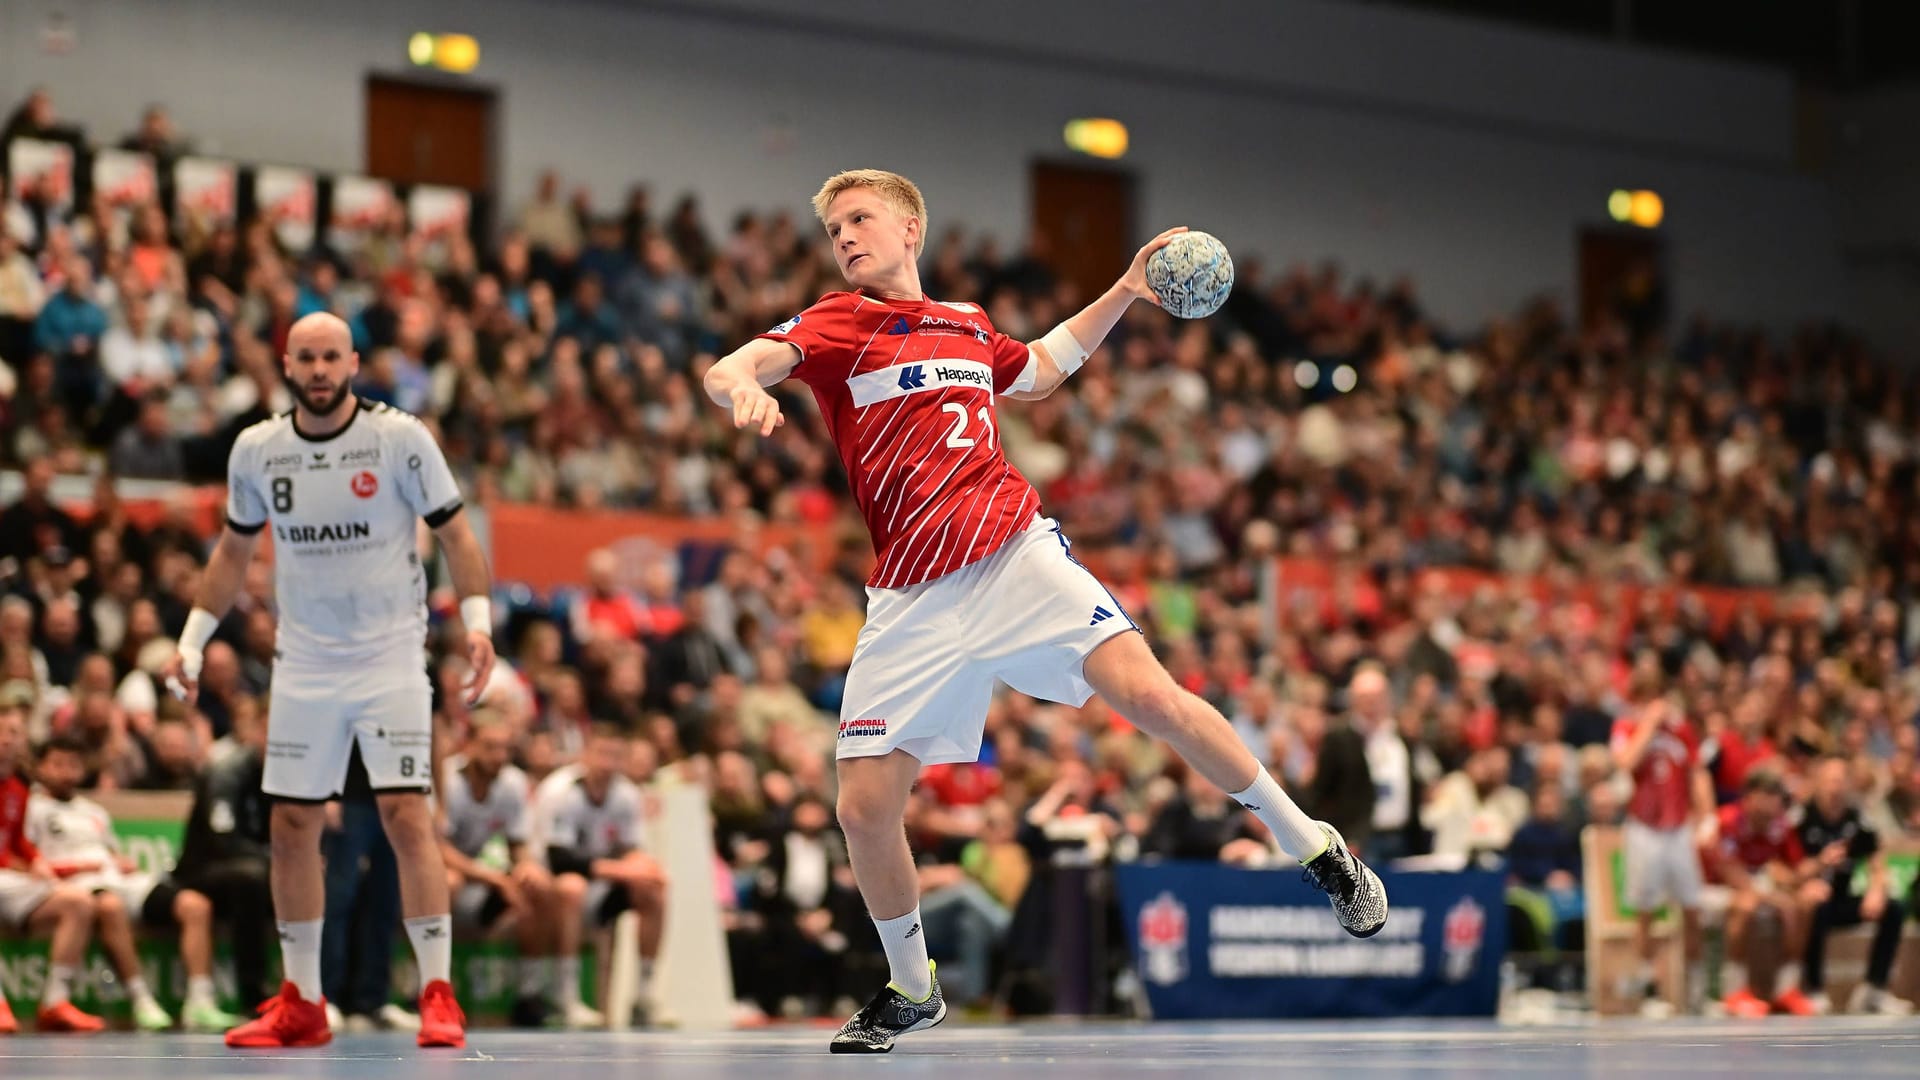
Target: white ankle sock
point(533, 976)
point(432, 937)
point(1788, 979)
point(568, 992)
point(1297, 834)
point(906, 945)
point(59, 985)
point(200, 990)
point(139, 992)
point(300, 955)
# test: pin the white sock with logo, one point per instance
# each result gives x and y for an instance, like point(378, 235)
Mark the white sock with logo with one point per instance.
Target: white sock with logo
point(1297, 834)
point(906, 945)
point(300, 955)
point(432, 937)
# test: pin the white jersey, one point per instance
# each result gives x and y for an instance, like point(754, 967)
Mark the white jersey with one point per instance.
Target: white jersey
point(472, 823)
point(343, 507)
point(565, 817)
point(75, 835)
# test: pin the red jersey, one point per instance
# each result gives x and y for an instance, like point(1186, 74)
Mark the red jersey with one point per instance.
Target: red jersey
point(907, 389)
point(1752, 847)
point(1736, 757)
point(1663, 781)
point(13, 822)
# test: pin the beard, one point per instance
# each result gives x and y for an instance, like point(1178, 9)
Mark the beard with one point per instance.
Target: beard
point(321, 406)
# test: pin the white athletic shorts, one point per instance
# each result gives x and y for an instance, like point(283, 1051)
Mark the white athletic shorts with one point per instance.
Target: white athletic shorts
point(477, 907)
point(924, 668)
point(1662, 866)
point(317, 712)
point(132, 889)
point(20, 896)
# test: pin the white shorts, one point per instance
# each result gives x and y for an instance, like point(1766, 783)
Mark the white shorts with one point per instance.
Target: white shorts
point(477, 908)
point(132, 889)
point(316, 713)
point(20, 896)
point(1661, 866)
point(924, 668)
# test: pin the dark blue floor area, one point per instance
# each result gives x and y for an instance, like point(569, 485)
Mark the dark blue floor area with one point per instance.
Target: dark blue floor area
point(1371, 1051)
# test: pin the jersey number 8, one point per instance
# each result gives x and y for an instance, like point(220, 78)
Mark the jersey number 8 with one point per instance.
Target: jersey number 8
point(282, 494)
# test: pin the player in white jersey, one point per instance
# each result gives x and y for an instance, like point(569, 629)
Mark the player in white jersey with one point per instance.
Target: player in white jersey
point(588, 825)
point(76, 836)
point(343, 484)
point(487, 803)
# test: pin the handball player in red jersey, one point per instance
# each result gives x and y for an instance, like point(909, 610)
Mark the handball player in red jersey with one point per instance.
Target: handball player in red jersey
point(973, 584)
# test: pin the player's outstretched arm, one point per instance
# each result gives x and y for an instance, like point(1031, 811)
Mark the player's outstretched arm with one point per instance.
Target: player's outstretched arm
point(225, 574)
point(739, 380)
point(1064, 348)
point(468, 565)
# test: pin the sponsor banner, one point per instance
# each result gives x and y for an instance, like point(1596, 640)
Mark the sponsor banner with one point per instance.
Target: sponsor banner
point(286, 198)
point(42, 170)
point(1328, 588)
point(203, 192)
point(124, 178)
point(361, 205)
point(438, 214)
point(1220, 942)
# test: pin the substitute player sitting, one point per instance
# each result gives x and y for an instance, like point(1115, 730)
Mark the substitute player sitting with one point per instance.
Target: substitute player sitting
point(76, 836)
point(589, 822)
point(33, 899)
point(343, 483)
point(1756, 856)
point(487, 803)
point(973, 584)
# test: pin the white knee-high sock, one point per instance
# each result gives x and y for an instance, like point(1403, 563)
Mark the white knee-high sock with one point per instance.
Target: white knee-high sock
point(1298, 835)
point(906, 945)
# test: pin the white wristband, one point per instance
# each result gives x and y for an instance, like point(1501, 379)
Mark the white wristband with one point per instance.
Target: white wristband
point(1066, 352)
point(477, 613)
point(193, 640)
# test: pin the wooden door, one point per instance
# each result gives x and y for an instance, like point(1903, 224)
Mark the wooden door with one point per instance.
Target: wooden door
point(428, 133)
point(1085, 217)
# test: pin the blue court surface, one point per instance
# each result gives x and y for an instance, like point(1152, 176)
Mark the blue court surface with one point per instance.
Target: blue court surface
point(1358, 1051)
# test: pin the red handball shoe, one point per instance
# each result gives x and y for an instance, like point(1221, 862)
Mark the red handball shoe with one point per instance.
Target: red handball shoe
point(441, 1021)
point(8, 1025)
point(67, 1016)
point(285, 1020)
point(1795, 1003)
point(1746, 1004)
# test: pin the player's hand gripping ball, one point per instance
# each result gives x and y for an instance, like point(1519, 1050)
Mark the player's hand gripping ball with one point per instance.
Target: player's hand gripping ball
point(1192, 275)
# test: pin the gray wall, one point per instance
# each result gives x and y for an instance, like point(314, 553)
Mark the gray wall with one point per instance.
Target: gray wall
point(1463, 154)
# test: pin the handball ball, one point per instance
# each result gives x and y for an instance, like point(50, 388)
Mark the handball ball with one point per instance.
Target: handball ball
point(1192, 275)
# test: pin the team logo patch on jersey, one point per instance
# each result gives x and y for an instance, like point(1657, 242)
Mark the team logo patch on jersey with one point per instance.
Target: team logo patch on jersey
point(365, 484)
point(853, 729)
point(786, 327)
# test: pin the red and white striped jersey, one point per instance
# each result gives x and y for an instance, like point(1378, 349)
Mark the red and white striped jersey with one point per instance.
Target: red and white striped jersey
point(907, 389)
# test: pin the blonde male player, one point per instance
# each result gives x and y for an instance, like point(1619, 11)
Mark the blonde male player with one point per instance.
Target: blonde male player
point(972, 584)
point(343, 482)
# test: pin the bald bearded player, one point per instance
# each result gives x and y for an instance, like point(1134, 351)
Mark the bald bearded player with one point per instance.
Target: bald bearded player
point(343, 482)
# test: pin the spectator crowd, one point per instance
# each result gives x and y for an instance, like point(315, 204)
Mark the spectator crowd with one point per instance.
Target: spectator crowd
point(1586, 468)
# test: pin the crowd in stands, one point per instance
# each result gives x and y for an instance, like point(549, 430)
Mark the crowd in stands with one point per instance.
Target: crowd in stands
point(1585, 468)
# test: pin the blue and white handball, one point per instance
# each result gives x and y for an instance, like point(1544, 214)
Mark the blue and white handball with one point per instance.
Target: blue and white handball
point(1192, 275)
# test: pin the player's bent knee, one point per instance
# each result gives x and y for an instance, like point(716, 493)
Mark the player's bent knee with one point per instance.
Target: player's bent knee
point(570, 889)
point(69, 902)
point(108, 904)
point(191, 906)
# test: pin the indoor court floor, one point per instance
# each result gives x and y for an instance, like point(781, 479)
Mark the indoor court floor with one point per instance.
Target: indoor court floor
point(1058, 1051)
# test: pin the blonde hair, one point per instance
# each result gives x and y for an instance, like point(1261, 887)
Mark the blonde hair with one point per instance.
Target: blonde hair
point(895, 190)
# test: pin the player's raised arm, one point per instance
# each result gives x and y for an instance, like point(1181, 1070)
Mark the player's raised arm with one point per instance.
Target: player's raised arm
point(740, 378)
point(1064, 348)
